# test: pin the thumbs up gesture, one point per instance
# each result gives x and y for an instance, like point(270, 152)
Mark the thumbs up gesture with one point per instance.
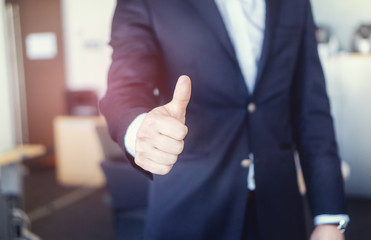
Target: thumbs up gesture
point(160, 137)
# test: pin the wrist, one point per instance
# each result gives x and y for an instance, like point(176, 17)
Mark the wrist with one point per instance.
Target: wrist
point(327, 232)
point(338, 220)
point(131, 133)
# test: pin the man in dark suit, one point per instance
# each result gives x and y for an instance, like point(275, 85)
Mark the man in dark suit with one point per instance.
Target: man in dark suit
point(200, 144)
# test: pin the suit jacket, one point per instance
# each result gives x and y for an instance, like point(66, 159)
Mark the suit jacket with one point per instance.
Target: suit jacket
point(204, 195)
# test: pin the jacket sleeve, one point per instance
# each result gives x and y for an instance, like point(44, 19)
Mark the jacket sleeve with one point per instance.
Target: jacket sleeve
point(313, 129)
point(135, 70)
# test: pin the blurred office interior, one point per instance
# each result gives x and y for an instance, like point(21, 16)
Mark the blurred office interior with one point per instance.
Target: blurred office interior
point(61, 177)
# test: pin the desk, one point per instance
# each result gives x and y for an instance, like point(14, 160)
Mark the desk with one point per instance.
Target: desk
point(11, 183)
point(78, 151)
point(21, 152)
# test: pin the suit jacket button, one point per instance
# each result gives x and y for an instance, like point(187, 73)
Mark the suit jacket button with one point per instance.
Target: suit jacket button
point(245, 163)
point(251, 108)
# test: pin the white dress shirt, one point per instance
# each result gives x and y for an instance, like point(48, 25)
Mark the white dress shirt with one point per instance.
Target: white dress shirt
point(245, 24)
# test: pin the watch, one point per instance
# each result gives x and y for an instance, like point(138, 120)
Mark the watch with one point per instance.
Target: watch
point(342, 225)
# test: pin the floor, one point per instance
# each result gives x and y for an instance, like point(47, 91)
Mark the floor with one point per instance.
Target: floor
point(59, 213)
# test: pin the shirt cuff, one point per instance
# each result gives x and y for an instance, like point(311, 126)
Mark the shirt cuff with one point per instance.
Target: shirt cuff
point(330, 219)
point(131, 134)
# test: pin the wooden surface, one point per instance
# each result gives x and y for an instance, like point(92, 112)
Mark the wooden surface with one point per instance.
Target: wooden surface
point(22, 152)
point(78, 151)
point(45, 83)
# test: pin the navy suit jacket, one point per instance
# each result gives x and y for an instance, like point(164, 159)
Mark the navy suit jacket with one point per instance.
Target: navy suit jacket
point(204, 196)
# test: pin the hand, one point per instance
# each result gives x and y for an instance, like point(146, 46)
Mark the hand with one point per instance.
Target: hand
point(160, 137)
point(327, 232)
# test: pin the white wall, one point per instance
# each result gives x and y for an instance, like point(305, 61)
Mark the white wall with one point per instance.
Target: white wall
point(350, 107)
point(342, 16)
point(7, 135)
point(87, 27)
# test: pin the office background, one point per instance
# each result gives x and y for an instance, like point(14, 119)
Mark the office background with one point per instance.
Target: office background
point(50, 48)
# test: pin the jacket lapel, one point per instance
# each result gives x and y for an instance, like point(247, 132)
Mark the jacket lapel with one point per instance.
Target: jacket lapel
point(208, 10)
point(272, 9)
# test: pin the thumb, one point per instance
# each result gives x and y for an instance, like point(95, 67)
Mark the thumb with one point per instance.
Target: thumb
point(182, 94)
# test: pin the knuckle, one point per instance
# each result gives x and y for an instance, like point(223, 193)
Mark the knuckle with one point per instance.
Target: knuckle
point(181, 132)
point(185, 131)
point(150, 123)
point(164, 170)
point(138, 147)
point(180, 147)
point(151, 119)
point(138, 161)
point(155, 111)
point(142, 146)
point(169, 158)
point(173, 159)
point(144, 165)
point(141, 135)
point(160, 142)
